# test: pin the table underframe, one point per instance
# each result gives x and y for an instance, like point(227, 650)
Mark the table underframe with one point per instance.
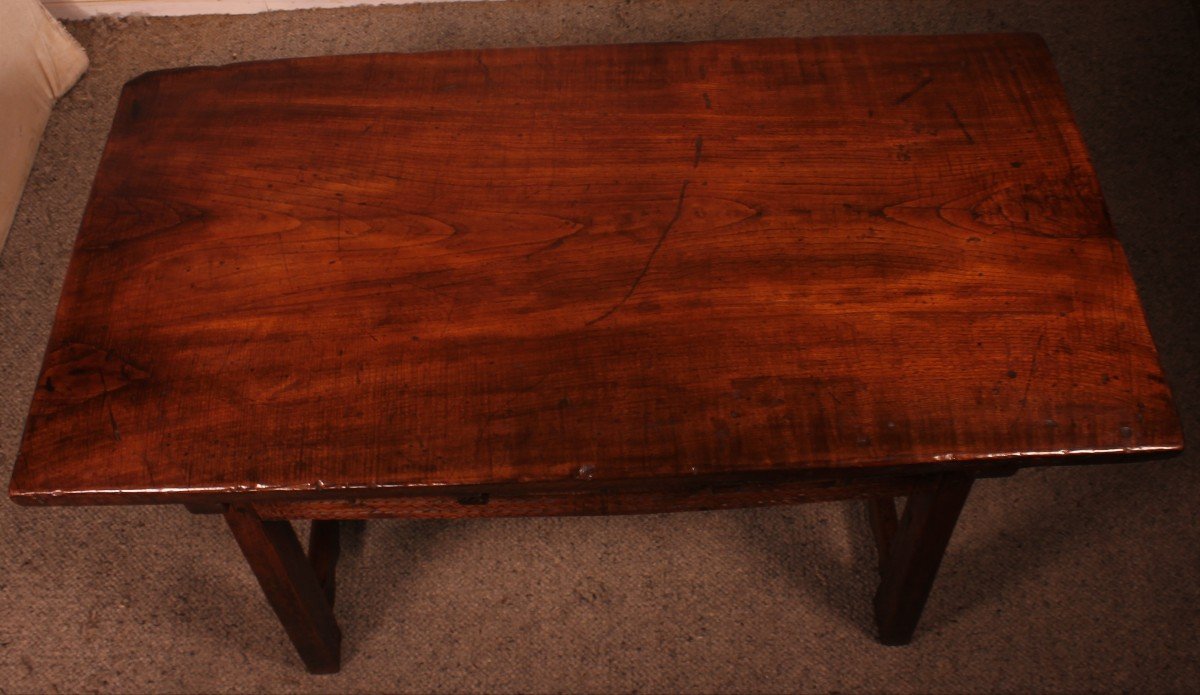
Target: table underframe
point(300, 587)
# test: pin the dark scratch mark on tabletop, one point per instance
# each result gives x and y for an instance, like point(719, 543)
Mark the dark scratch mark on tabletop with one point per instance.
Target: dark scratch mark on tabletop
point(112, 419)
point(1032, 370)
point(958, 121)
point(559, 241)
point(487, 73)
point(649, 259)
point(909, 94)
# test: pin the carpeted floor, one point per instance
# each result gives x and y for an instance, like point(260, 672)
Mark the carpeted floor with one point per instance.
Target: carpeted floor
point(1084, 579)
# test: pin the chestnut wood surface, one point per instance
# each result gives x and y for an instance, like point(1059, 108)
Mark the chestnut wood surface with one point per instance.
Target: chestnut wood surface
point(579, 265)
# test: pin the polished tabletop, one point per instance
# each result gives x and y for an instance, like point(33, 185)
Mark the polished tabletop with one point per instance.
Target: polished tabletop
point(582, 265)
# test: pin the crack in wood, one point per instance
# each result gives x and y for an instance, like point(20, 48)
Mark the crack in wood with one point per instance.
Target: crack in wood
point(909, 94)
point(649, 259)
point(958, 121)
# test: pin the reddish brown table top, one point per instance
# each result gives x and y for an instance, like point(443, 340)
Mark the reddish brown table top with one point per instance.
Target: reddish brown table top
point(579, 265)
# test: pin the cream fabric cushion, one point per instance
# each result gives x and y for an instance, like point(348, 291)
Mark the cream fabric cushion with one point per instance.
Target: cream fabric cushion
point(39, 61)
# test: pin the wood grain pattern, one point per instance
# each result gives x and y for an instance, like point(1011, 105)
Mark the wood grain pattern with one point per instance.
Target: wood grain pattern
point(590, 264)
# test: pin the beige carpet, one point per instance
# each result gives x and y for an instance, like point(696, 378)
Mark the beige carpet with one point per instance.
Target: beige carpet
point(1083, 579)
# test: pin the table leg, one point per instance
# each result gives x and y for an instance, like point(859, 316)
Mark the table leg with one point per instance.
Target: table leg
point(909, 559)
point(292, 586)
point(881, 514)
point(324, 547)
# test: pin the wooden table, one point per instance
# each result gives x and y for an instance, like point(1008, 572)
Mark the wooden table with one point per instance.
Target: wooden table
point(591, 280)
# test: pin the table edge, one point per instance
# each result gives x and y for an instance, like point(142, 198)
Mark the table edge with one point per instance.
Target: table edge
point(979, 466)
point(1034, 39)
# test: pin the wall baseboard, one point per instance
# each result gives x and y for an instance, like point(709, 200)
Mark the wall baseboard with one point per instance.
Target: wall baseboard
point(83, 9)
